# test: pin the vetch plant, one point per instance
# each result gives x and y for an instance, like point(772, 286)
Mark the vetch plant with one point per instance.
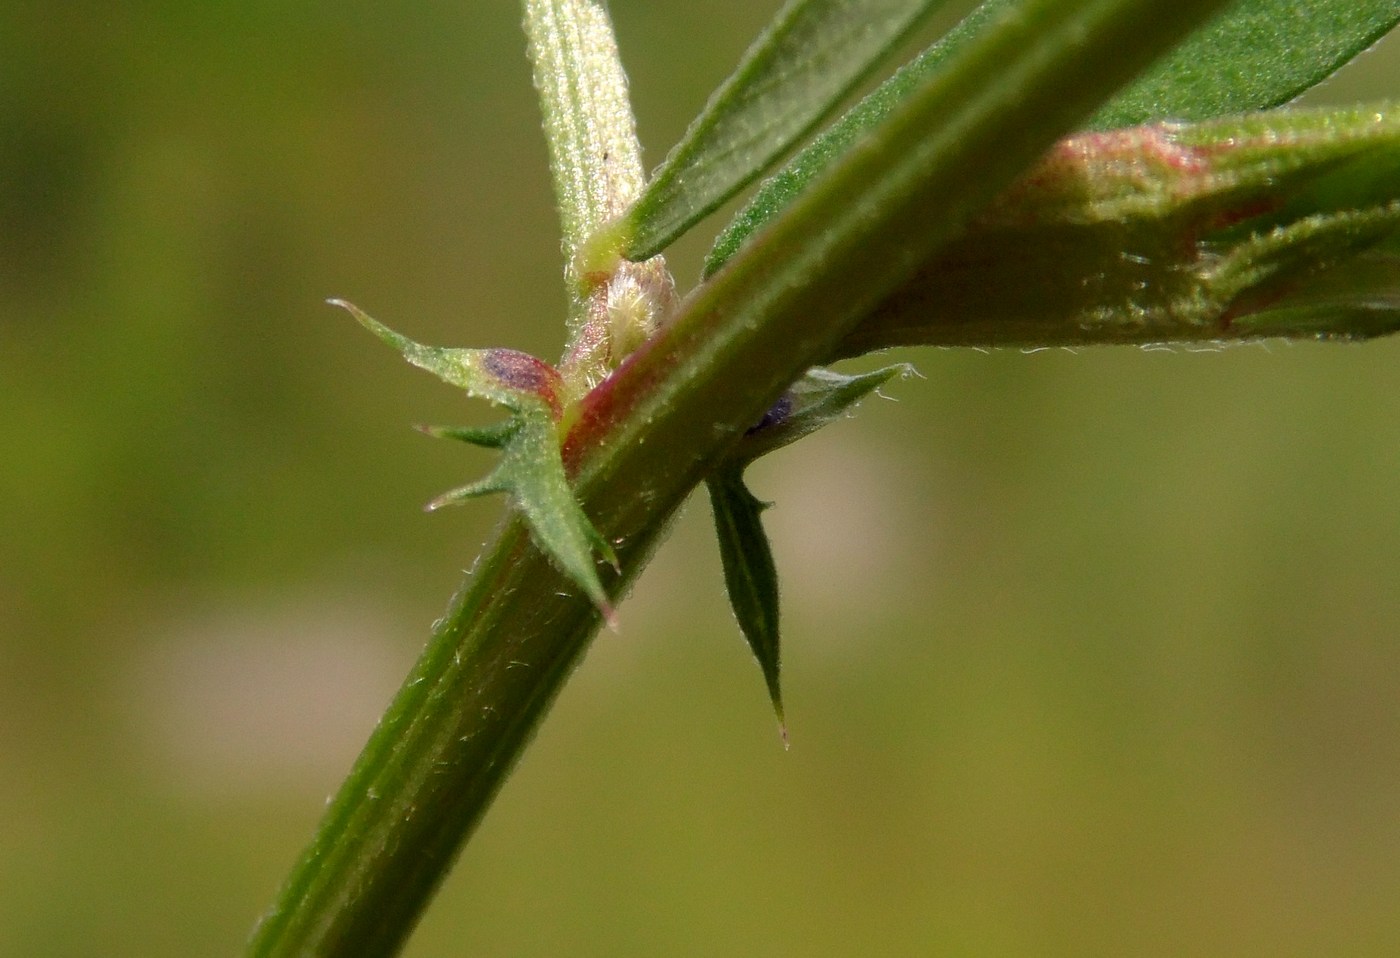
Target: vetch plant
point(1050, 172)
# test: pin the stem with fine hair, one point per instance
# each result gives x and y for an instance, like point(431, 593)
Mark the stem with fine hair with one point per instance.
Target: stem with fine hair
point(643, 440)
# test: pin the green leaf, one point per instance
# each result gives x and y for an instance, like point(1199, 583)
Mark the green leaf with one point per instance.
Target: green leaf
point(775, 193)
point(809, 57)
point(488, 437)
point(749, 574)
point(820, 397)
point(1228, 229)
point(531, 472)
point(1256, 55)
point(1334, 276)
point(508, 378)
point(530, 469)
point(1268, 52)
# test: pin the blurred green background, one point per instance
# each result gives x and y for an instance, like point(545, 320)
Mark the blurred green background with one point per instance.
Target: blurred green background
point(1091, 654)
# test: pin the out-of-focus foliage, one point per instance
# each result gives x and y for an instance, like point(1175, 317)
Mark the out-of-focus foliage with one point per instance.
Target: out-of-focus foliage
point(1108, 665)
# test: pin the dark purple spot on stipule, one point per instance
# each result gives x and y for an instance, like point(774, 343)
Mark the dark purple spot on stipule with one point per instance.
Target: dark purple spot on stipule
point(775, 415)
point(525, 373)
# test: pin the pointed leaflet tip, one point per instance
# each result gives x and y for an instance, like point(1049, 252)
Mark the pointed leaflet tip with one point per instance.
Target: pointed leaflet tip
point(532, 472)
point(498, 481)
point(531, 469)
point(506, 377)
point(401, 343)
point(750, 576)
point(488, 437)
point(541, 491)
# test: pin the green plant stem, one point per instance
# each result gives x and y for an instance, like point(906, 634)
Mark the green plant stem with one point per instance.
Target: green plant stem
point(597, 169)
point(440, 753)
point(650, 434)
point(1276, 224)
point(593, 150)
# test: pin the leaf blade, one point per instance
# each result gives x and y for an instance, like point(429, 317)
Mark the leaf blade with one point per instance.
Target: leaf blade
point(819, 398)
point(1164, 92)
point(1237, 62)
point(808, 58)
point(558, 524)
point(750, 575)
point(775, 193)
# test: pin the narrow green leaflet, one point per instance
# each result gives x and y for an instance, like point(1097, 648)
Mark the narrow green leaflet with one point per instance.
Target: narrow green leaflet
point(1256, 55)
point(750, 576)
point(530, 469)
point(780, 189)
point(810, 56)
point(1273, 224)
